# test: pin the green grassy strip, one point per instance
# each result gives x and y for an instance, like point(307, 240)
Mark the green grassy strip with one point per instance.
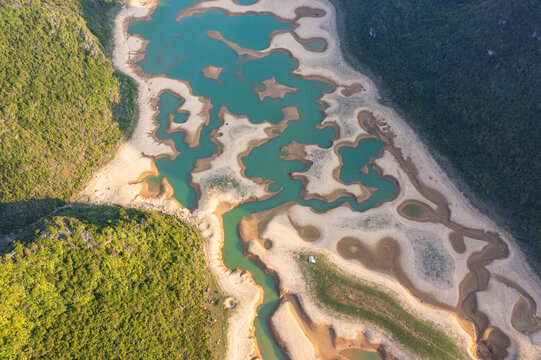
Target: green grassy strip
point(344, 295)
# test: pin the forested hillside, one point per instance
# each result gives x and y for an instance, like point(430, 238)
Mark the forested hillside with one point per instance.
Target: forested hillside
point(107, 283)
point(62, 106)
point(468, 73)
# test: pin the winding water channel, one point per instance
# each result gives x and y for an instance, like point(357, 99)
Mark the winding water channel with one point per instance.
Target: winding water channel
point(180, 50)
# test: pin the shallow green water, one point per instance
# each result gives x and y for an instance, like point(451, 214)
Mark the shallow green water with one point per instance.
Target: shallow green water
point(315, 45)
point(181, 50)
point(310, 234)
point(414, 211)
point(360, 355)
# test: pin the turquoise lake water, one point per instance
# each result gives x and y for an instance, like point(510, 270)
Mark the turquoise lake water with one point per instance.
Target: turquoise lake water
point(181, 49)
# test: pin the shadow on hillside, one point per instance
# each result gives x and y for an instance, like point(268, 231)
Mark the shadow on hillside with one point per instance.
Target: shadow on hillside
point(101, 216)
point(96, 15)
point(18, 214)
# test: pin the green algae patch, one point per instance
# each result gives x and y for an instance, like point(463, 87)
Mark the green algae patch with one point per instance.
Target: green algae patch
point(316, 45)
point(342, 294)
point(415, 211)
point(108, 282)
point(310, 233)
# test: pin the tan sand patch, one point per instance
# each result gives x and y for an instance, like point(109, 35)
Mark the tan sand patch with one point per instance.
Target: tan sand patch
point(273, 89)
point(212, 72)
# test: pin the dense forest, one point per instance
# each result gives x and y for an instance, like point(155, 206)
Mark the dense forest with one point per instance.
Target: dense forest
point(106, 283)
point(62, 106)
point(467, 74)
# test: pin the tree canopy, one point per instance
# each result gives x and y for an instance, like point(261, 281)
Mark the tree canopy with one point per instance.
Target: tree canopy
point(105, 283)
point(62, 106)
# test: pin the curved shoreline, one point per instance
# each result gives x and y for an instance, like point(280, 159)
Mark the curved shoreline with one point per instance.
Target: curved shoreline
point(476, 280)
point(158, 204)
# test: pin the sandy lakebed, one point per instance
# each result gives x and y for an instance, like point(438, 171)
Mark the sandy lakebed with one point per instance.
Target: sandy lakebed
point(393, 220)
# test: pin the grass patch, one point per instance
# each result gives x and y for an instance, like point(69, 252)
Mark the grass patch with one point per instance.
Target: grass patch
point(223, 183)
point(217, 330)
point(345, 295)
point(310, 233)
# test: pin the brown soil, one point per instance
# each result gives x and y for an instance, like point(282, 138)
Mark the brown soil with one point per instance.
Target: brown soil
point(294, 151)
point(306, 11)
point(267, 244)
point(248, 231)
point(305, 42)
point(364, 170)
point(352, 89)
point(212, 72)
point(145, 174)
point(308, 233)
point(333, 195)
point(163, 190)
point(523, 316)
point(426, 213)
point(457, 242)
point(190, 138)
point(249, 53)
point(365, 191)
point(273, 89)
point(290, 113)
point(384, 257)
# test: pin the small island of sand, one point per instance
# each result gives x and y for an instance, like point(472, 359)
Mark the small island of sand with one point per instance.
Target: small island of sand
point(212, 72)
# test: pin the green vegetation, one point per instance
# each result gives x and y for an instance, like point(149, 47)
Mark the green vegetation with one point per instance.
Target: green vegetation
point(310, 233)
point(468, 73)
point(96, 13)
point(62, 106)
point(107, 283)
point(223, 182)
point(344, 295)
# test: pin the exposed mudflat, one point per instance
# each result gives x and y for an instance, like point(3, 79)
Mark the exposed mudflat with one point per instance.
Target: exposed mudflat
point(308, 162)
